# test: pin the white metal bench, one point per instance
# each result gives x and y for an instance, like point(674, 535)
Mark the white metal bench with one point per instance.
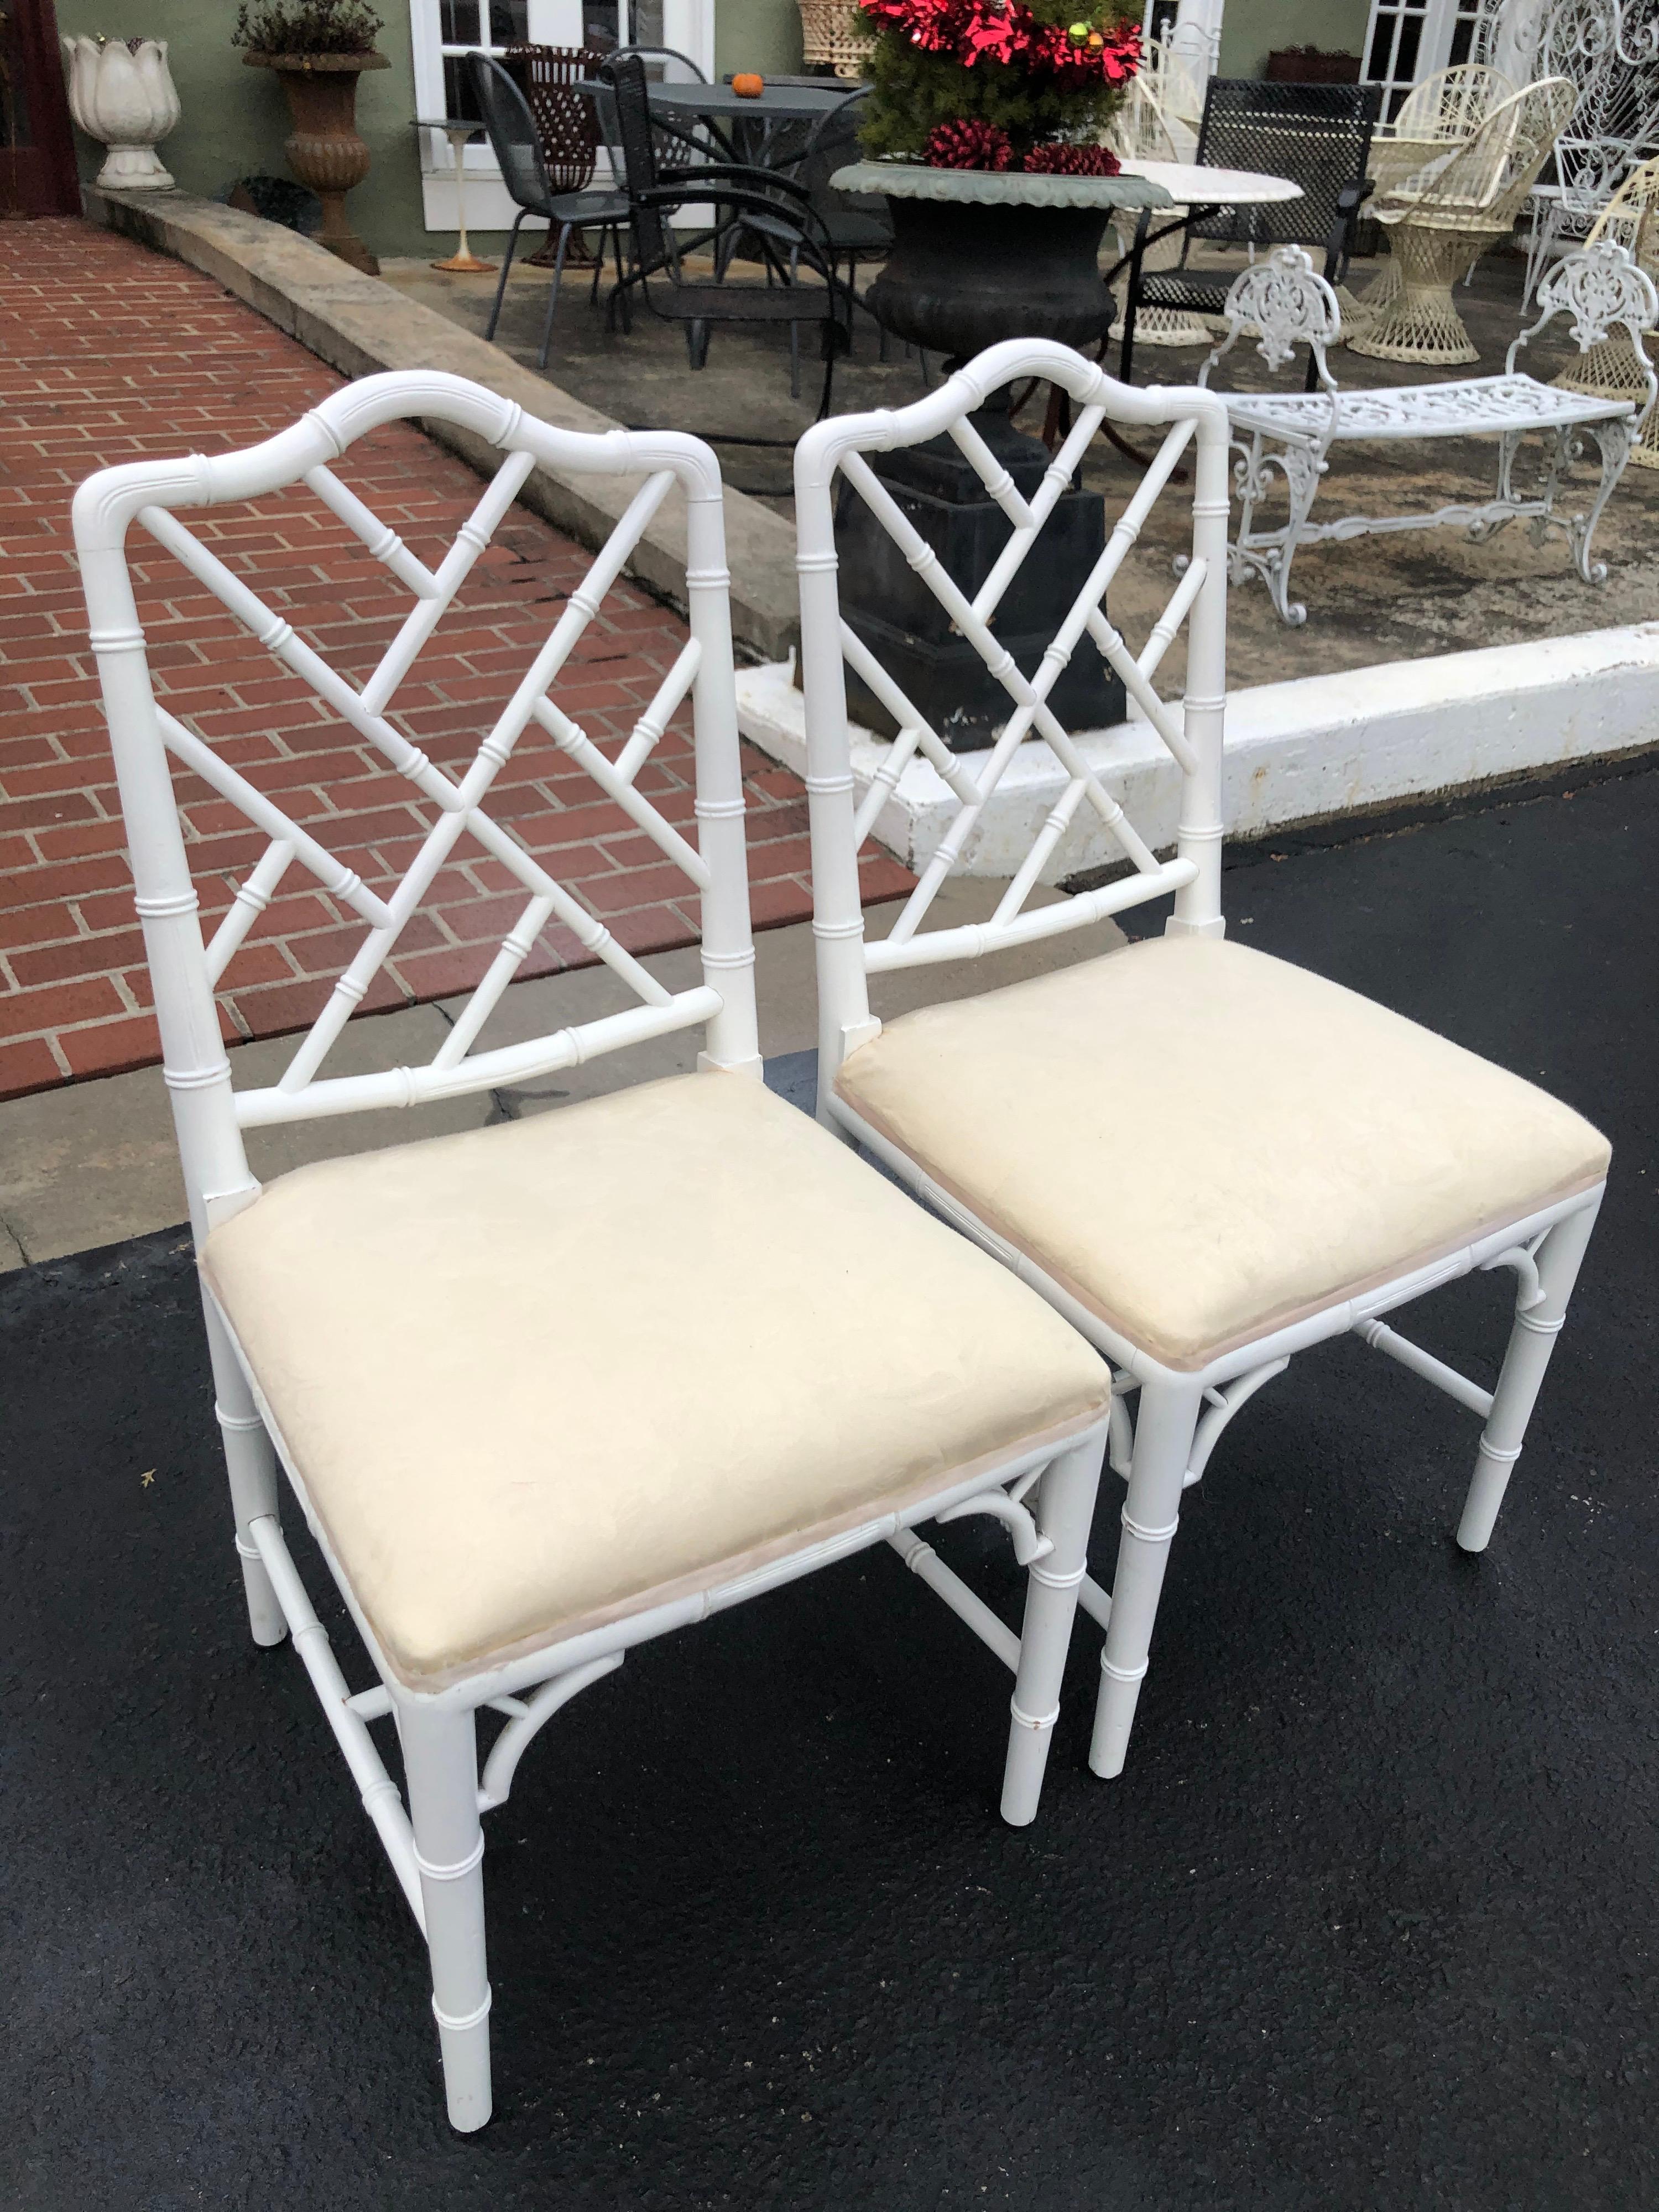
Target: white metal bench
point(1285, 303)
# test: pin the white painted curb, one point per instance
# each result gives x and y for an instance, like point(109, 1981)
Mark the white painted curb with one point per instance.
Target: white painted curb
point(1317, 746)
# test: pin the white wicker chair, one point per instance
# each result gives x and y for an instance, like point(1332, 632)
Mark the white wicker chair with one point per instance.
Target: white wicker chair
point(1443, 218)
point(1616, 368)
point(1441, 113)
point(548, 1389)
point(1207, 1159)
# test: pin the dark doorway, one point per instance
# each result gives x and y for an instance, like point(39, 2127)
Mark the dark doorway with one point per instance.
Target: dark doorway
point(37, 150)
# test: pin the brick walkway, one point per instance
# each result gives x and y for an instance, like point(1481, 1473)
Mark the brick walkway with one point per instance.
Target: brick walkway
point(109, 352)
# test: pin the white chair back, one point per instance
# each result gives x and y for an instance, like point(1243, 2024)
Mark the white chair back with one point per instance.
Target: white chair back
point(1196, 423)
point(1604, 291)
point(152, 494)
point(1282, 302)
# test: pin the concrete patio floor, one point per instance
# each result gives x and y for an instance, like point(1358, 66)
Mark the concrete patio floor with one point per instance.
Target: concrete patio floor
point(1372, 600)
point(1367, 1925)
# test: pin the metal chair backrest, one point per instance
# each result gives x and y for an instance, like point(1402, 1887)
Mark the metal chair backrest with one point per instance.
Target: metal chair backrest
point(1599, 46)
point(833, 145)
point(1603, 290)
point(625, 117)
point(663, 65)
point(1282, 303)
point(449, 806)
point(565, 122)
point(1318, 135)
point(842, 820)
point(514, 137)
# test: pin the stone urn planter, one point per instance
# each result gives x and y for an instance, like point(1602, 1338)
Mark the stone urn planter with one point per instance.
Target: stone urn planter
point(121, 93)
point(325, 149)
point(979, 257)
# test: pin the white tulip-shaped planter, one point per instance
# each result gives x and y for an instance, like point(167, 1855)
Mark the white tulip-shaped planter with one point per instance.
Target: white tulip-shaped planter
point(121, 93)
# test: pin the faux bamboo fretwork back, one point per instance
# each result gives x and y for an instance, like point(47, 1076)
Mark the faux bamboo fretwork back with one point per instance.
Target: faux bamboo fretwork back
point(450, 807)
point(1195, 426)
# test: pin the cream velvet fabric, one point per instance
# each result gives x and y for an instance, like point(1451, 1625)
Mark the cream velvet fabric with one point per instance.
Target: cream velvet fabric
point(1202, 1143)
point(538, 1374)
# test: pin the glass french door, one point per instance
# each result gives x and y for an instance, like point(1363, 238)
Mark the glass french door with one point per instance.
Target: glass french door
point(1409, 39)
point(447, 31)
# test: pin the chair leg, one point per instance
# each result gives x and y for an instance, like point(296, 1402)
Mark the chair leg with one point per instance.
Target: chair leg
point(506, 263)
point(794, 328)
point(559, 254)
point(251, 1464)
point(1164, 1441)
point(1532, 1339)
point(440, 1758)
point(599, 269)
point(1066, 1509)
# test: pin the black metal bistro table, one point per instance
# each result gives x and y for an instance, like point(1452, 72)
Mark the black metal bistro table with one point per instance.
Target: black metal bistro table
point(747, 129)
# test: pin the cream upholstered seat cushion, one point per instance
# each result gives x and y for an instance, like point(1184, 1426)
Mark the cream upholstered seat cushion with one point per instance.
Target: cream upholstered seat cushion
point(1202, 1143)
point(536, 1376)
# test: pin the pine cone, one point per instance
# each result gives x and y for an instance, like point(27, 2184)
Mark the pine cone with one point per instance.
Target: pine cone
point(969, 143)
point(1072, 161)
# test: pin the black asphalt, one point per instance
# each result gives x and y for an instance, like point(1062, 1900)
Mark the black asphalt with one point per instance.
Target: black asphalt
point(1369, 1921)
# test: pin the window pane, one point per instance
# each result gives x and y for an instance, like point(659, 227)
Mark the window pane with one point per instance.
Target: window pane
point(601, 24)
point(458, 97)
point(1410, 31)
point(458, 23)
point(1376, 64)
point(509, 22)
point(648, 23)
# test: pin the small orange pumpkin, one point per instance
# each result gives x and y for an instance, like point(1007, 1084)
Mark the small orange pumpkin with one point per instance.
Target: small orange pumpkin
point(748, 85)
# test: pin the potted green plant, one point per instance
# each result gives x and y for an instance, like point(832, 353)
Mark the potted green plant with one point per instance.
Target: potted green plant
point(319, 49)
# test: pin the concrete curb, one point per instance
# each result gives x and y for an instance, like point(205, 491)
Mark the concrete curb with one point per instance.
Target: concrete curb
point(358, 324)
point(1302, 752)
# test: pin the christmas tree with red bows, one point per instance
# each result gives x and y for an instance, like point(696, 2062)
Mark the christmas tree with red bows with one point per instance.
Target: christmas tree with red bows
point(999, 85)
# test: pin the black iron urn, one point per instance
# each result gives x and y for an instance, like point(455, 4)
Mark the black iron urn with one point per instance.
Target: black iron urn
point(964, 274)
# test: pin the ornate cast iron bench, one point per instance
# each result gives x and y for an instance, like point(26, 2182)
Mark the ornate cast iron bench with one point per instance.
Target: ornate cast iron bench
point(1285, 303)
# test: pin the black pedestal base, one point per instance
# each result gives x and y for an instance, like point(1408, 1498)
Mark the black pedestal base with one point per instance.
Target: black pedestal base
point(892, 609)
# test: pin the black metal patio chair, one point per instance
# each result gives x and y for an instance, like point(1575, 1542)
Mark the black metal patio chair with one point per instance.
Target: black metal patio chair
point(676, 146)
point(1317, 134)
point(770, 215)
point(856, 224)
point(513, 134)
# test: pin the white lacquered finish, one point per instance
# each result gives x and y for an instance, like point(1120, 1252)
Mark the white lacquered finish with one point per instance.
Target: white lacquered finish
point(1286, 303)
point(1165, 1448)
point(434, 1843)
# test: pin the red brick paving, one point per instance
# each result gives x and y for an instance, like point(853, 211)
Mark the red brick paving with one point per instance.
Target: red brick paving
point(109, 352)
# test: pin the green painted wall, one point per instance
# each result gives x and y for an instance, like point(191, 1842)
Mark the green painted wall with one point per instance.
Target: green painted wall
point(236, 119)
point(757, 35)
point(1251, 29)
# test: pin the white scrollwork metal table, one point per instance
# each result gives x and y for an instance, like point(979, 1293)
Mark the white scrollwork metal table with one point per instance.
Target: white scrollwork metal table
point(1287, 304)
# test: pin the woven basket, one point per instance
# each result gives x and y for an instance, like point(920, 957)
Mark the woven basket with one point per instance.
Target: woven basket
point(835, 34)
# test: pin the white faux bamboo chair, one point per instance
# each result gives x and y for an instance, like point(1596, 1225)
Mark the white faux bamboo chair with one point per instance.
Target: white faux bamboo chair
point(547, 1389)
point(1205, 1158)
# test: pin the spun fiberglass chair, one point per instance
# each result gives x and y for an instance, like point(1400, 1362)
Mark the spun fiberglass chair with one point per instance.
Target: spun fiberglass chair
point(546, 1389)
point(1205, 1158)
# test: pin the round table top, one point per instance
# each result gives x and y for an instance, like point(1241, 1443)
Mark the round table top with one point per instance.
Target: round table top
point(913, 180)
point(1195, 185)
point(776, 101)
point(446, 122)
